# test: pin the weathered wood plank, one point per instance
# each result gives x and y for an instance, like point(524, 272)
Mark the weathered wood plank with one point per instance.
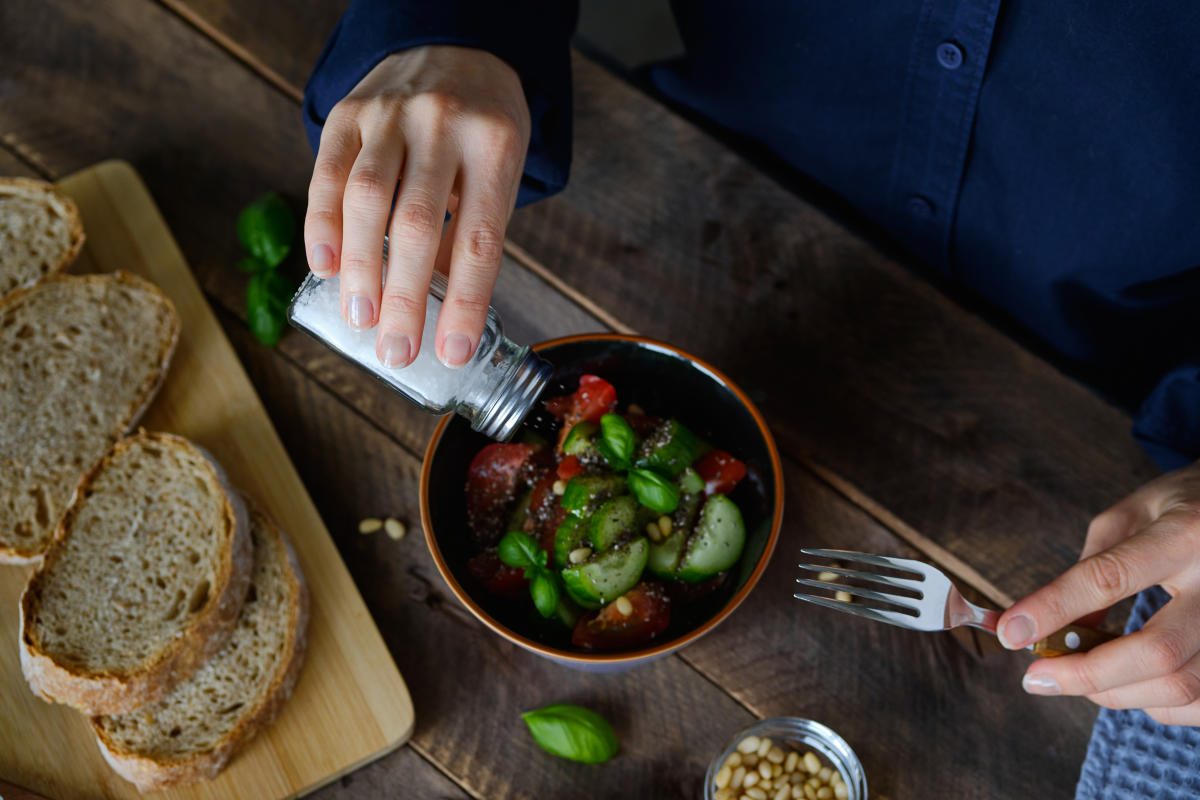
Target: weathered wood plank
point(402, 774)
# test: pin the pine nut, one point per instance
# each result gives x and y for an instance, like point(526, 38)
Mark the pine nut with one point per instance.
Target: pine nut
point(814, 782)
point(558, 487)
point(624, 607)
point(841, 791)
point(764, 769)
point(750, 779)
point(739, 775)
point(722, 779)
point(653, 532)
point(844, 597)
point(797, 778)
point(370, 525)
point(824, 774)
point(764, 747)
point(797, 793)
point(812, 763)
point(756, 793)
point(750, 760)
point(824, 793)
point(395, 528)
point(810, 792)
point(793, 758)
point(664, 526)
point(776, 770)
point(724, 794)
point(836, 778)
point(783, 793)
point(579, 555)
point(734, 761)
point(775, 755)
point(765, 785)
point(635, 409)
point(828, 577)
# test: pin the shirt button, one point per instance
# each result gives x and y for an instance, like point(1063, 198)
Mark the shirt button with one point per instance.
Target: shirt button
point(919, 207)
point(949, 55)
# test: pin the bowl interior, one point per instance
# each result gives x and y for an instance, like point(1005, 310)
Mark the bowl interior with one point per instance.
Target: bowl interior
point(664, 383)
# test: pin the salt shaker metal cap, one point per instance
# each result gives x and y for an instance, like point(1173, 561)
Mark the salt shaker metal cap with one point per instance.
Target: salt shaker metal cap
point(495, 390)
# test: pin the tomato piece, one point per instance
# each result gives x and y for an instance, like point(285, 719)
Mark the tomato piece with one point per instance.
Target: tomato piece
point(684, 592)
point(720, 472)
point(492, 480)
point(568, 468)
point(643, 424)
point(594, 398)
point(609, 629)
point(497, 577)
point(546, 511)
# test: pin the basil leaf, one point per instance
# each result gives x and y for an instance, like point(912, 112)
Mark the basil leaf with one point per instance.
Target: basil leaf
point(518, 549)
point(251, 264)
point(544, 590)
point(572, 732)
point(576, 496)
point(266, 228)
point(653, 491)
point(267, 296)
point(616, 441)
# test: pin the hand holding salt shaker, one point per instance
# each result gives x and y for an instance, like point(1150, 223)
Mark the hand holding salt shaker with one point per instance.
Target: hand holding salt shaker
point(495, 390)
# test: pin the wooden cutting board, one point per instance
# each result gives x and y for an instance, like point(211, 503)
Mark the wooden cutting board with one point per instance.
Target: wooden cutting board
point(351, 705)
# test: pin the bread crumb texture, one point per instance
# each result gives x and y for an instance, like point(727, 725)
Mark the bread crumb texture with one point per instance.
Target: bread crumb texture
point(38, 228)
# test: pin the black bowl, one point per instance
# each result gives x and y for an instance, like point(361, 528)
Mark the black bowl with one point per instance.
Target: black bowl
point(665, 381)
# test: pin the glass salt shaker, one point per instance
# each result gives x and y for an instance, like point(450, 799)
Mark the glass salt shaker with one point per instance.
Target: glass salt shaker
point(495, 390)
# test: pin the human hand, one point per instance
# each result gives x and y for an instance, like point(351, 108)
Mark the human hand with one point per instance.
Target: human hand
point(1151, 537)
point(451, 126)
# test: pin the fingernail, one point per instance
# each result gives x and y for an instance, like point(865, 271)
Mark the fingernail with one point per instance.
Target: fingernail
point(322, 260)
point(359, 311)
point(1040, 684)
point(1017, 632)
point(396, 349)
point(456, 350)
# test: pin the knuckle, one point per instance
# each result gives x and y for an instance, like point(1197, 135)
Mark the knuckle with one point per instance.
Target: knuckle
point(469, 303)
point(1180, 689)
point(354, 263)
point(439, 104)
point(1109, 574)
point(485, 245)
point(327, 174)
point(367, 190)
point(417, 219)
point(320, 218)
point(398, 303)
point(1163, 653)
point(1086, 679)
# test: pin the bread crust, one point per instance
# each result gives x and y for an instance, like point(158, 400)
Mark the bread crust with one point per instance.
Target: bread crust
point(13, 554)
point(104, 692)
point(149, 773)
point(43, 192)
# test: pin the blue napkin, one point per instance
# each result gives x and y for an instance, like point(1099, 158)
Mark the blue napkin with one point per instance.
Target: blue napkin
point(1132, 756)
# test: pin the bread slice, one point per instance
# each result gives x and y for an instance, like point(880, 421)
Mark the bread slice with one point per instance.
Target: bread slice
point(194, 731)
point(82, 358)
point(40, 232)
point(143, 581)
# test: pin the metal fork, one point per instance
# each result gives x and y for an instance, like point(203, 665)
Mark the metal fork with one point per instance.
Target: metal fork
point(938, 605)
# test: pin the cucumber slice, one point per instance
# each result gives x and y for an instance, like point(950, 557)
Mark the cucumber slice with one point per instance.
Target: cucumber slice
point(606, 576)
point(613, 520)
point(579, 439)
point(572, 533)
point(585, 493)
point(664, 556)
point(669, 450)
point(690, 482)
point(717, 542)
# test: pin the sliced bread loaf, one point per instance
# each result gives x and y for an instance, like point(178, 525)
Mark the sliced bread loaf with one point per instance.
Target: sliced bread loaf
point(194, 731)
point(40, 232)
point(143, 581)
point(83, 356)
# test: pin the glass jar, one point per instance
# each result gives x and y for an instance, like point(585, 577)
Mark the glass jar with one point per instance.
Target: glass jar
point(801, 735)
point(495, 390)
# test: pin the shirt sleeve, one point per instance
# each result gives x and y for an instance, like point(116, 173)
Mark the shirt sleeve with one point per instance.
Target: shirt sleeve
point(532, 36)
point(1168, 424)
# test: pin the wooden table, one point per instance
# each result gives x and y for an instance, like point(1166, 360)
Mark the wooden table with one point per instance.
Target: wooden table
point(908, 424)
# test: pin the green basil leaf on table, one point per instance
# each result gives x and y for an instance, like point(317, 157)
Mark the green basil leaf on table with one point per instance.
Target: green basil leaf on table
point(267, 296)
point(544, 590)
point(572, 732)
point(266, 228)
point(251, 265)
point(616, 441)
point(518, 549)
point(653, 491)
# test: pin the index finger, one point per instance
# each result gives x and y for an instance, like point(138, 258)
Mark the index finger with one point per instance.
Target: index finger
point(1096, 582)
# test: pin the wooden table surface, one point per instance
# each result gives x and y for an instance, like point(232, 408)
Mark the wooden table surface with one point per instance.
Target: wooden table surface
point(908, 425)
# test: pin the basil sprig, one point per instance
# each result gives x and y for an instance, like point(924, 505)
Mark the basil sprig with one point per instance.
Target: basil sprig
point(616, 443)
point(266, 228)
point(572, 732)
point(519, 550)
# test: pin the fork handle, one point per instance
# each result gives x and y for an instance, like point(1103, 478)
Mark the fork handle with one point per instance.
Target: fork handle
point(1071, 639)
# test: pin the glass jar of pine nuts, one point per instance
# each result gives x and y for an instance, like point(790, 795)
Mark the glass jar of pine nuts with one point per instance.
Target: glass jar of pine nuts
point(786, 758)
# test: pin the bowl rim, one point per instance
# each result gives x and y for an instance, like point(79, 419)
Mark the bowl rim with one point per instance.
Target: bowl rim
point(660, 648)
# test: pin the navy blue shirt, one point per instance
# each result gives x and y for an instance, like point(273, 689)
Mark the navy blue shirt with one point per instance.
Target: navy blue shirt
point(1044, 155)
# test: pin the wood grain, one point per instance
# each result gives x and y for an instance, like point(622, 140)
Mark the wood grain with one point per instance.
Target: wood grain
point(350, 704)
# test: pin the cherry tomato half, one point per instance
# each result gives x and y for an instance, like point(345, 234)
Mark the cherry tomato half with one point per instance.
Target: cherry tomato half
point(492, 482)
point(594, 398)
point(497, 577)
point(720, 471)
point(609, 629)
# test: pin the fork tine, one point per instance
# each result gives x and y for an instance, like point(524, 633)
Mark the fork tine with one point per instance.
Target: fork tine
point(886, 580)
point(877, 614)
point(906, 564)
point(869, 594)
